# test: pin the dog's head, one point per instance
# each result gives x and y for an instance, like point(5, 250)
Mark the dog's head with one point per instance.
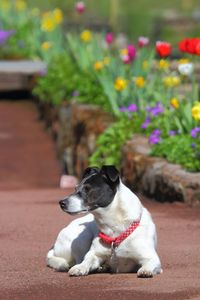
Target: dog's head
point(97, 189)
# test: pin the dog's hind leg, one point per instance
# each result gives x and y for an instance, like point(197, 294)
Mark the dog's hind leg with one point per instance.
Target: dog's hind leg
point(58, 263)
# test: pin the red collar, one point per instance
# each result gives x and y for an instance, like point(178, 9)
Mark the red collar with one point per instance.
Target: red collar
point(117, 240)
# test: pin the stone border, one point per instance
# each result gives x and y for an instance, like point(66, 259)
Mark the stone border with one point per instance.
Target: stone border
point(155, 177)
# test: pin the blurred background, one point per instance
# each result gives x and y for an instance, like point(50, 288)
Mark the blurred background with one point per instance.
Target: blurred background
point(165, 20)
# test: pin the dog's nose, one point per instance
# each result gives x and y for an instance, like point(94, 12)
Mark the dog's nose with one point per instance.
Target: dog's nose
point(62, 203)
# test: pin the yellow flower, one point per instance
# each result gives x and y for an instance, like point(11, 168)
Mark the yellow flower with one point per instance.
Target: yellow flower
point(5, 5)
point(98, 65)
point(145, 64)
point(196, 111)
point(171, 81)
point(46, 45)
point(124, 51)
point(183, 61)
point(163, 64)
point(139, 81)
point(174, 102)
point(86, 36)
point(120, 84)
point(20, 5)
point(58, 15)
point(48, 24)
point(106, 60)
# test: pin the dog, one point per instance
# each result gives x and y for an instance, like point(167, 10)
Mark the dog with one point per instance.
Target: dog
point(118, 233)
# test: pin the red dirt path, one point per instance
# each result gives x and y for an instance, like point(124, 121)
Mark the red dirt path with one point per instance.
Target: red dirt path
point(30, 219)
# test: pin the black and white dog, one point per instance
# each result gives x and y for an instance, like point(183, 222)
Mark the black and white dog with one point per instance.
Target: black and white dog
point(118, 232)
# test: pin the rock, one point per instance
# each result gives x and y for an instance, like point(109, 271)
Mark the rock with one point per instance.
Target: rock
point(157, 178)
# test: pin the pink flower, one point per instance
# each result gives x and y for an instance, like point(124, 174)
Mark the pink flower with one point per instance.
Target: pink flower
point(80, 7)
point(125, 58)
point(131, 52)
point(109, 38)
point(143, 41)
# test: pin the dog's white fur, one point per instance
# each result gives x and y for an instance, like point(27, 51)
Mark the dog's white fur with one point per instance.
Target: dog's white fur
point(79, 249)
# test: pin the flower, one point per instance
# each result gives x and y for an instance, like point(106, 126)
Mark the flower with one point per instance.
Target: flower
point(132, 107)
point(98, 65)
point(20, 5)
point(186, 69)
point(156, 110)
point(194, 132)
point(48, 23)
point(139, 81)
point(46, 45)
point(5, 5)
point(190, 45)
point(106, 61)
point(123, 109)
point(163, 64)
point(109, 38)
point(174, 102)
point(172, 132)
point(120, 84)
point(143, 41)
point(80, 7)
point(145, 65)
point(171, 81)
point(128, 54)
point(146, 123)
point(86, 36)
point(163, 49)
point(4, 35)
point(58, 15)
point(196, 111)
point(155, 137)
point(131, 52)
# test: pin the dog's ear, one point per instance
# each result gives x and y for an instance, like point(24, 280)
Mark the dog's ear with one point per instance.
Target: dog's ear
point(90, 171)
point(110, 172)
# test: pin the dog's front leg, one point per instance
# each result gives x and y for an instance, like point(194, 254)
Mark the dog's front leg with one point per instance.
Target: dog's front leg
point(92, 260)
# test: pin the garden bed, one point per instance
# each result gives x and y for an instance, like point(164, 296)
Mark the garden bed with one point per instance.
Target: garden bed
point(156, 177)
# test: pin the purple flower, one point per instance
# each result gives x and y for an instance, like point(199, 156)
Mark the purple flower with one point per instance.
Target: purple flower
point(193, 145)
point(123, 109)
point(172, 132)
point(194, 132)
point(132, 108)
point(109, 38)
point(4, 35)
point(156, 110)
point(75, 93)
point(155, 137)
point(146, 123)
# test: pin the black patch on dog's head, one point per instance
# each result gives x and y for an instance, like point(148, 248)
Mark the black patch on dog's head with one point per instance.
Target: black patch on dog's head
point(100, 188)
point(97, 189)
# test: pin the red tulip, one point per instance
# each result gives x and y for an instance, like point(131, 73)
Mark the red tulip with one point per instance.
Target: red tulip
point(191, 46)
point(163, 49)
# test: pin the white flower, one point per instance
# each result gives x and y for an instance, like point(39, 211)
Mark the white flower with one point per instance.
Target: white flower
point(186, 69)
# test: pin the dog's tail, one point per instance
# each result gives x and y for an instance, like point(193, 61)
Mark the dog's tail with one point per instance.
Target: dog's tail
point(58, 263)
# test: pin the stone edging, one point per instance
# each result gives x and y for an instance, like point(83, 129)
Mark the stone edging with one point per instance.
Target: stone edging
point(155, 177)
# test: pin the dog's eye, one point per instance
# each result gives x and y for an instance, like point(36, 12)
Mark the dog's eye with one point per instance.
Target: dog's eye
point(86, 188)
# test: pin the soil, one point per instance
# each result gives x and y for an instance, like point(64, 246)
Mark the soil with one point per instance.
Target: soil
point(30, 219)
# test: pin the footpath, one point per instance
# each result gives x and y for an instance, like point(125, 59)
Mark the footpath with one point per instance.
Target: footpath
point(30, 219)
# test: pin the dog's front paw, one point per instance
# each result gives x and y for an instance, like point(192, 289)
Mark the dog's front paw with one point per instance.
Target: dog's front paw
point(144, 273)
point(78, 270)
